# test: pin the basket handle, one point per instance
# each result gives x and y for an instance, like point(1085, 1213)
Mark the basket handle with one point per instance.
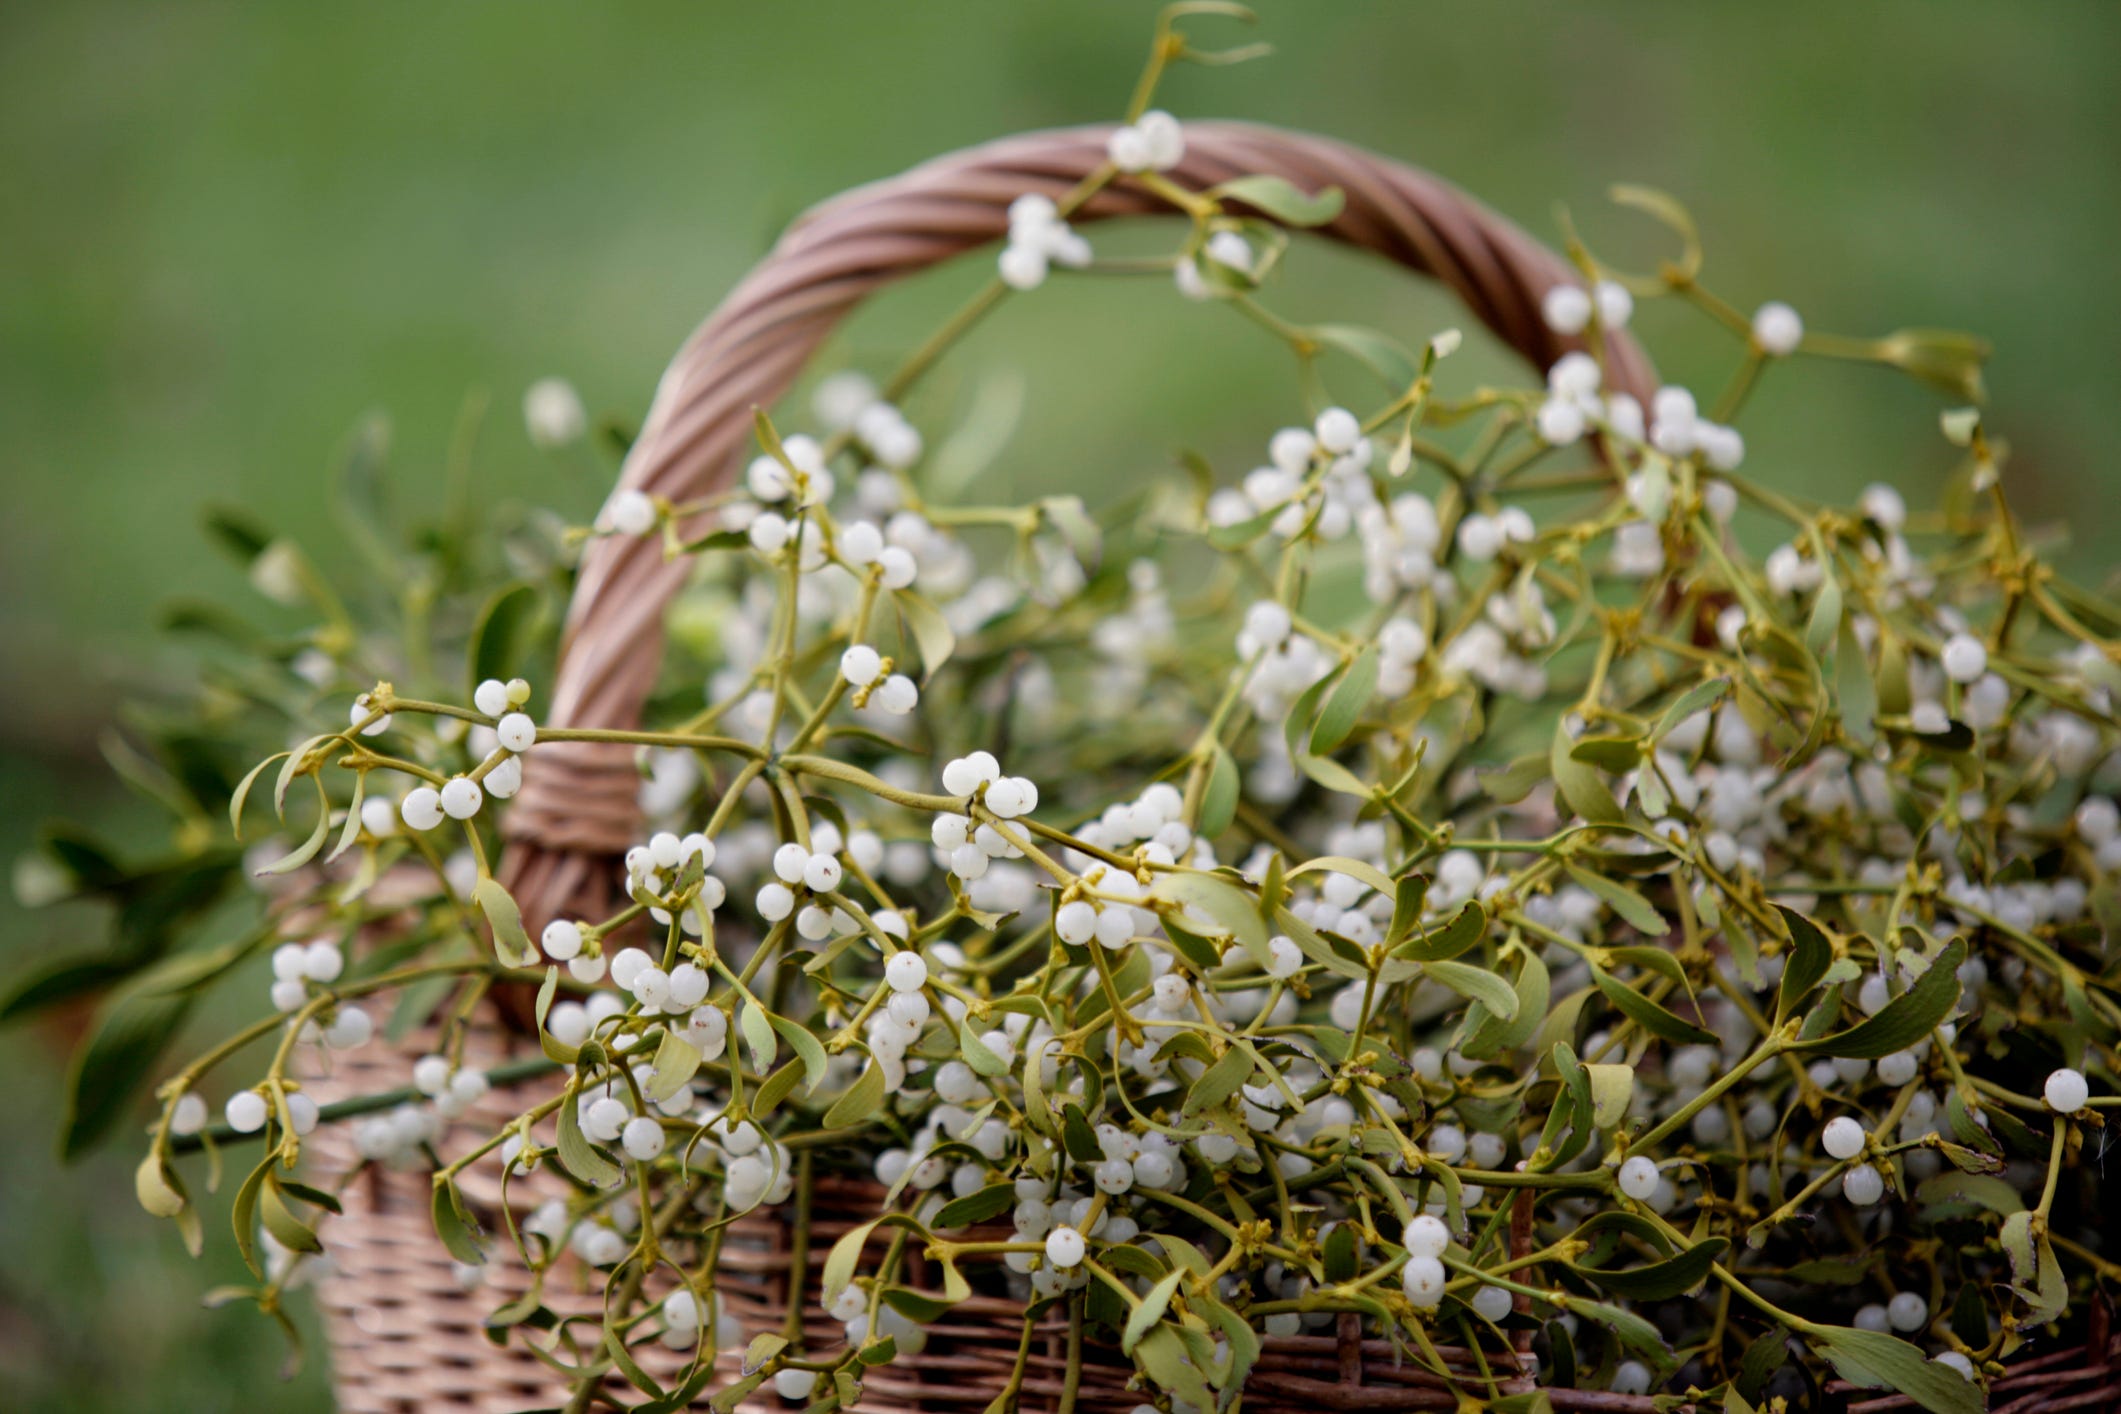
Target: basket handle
point(577, 807)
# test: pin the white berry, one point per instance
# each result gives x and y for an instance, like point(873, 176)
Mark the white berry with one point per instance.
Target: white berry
point(1777, 329)
point(245, 1112)
point(422, 808)
point(642, 1138)
point(517, 731)
point(632, 513)
point(1566, 309)
point(461, 798)
point(1426, 1236)
point(1843, 1138)
point(1422, 1278)
point(1965, 658)
point(1638, 1178)
point(1065, 1247)
point(906, 972)
point(860, 665)
point(562, 940)
point(1863, 1185)
point(2066, 1091)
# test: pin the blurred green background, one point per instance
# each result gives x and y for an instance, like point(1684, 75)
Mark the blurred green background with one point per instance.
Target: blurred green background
point(227, 230)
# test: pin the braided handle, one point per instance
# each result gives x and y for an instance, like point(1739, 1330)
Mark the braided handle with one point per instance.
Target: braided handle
point(577, 806)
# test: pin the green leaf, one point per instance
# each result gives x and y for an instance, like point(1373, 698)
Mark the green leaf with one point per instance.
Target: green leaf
point(315, 1197)
point(1382, 354)
point(1228, 906)
point(1512, 782)
point(1855, 692)
point(1491, 1035)
point(237, 533)
point(1608, 753)
point(1875, 1359)
point(1660, 1281)
point(1155, 1301)
point(1244, 1342)
point(1409, 895)
point(1163, 1356)
point(776, 1088)
point(576, 1154)
point(1077, 1135)
point(1218, 801)
point(1455, 935)
point(976, 1207)
point(242, 791)
point(1810, 955)
point(807, 1049)
point(1647, 1014)
point(1332, 775)
point(1632, 1331)
point(1477, 983)
point(677, 1060)
point(1343, 1253)
point(978, 1054)
point(1824, 626)
point(758, 1034)
point(1352, 868)
point(1905, 1019)
point(860, 1101)
point(1612, 1088)
point(2036, 1277)
point(1943, 358)
point(351, 830)
point(1638, 911)
point(1649, 959)
point(640, 1379)
point(510, 943)
point(554, 1048)
point(500, 642)
point(1955, 1188)
point(243, 1214)
point(302, 853)
point(840, 1261)
point(1242, 533)
point(931, 632)
point(1281, 199)
point(763, 1347)
point(1219, 1082)
point(1077, 526)
point(1344, 704)
point(280, 1220)
point(1582, 789)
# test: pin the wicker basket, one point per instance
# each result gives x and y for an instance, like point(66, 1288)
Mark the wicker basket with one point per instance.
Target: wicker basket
point(406, 1335)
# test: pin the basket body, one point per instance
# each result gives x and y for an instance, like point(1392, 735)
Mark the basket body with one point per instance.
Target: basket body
point(408, 1337)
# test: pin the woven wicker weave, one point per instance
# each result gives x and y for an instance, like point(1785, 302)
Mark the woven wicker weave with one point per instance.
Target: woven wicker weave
point(406, 1335)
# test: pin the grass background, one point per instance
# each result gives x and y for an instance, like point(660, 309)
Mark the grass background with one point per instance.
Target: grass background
point(227, 230)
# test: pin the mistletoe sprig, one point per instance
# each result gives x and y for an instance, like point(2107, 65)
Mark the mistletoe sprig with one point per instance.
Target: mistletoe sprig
point(1499, 867)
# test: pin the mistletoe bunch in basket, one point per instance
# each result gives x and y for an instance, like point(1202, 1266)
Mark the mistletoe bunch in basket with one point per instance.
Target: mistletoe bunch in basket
point(1486, 862)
